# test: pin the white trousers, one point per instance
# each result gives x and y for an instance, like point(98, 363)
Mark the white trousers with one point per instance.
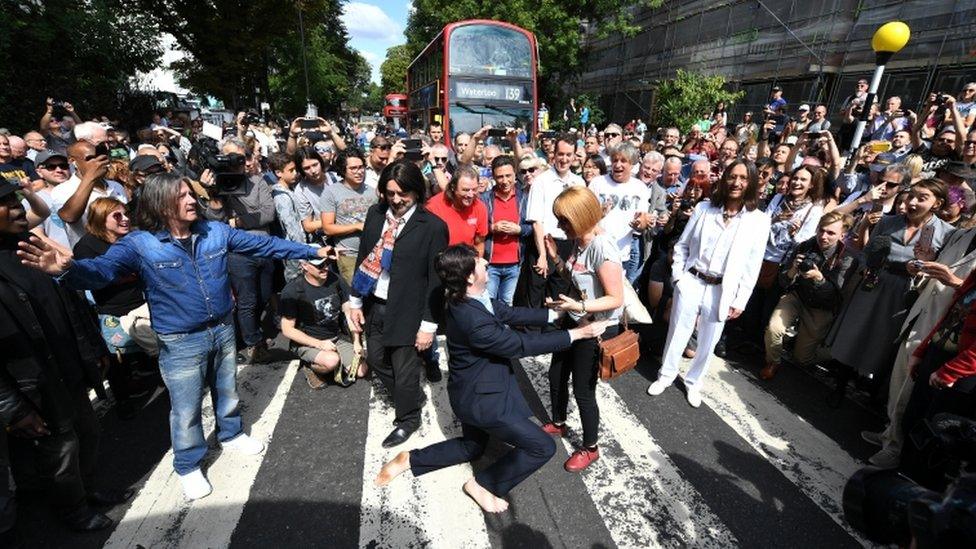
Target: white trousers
point(693, 299)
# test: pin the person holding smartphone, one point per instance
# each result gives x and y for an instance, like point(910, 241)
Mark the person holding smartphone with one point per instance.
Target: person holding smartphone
point(862, 340)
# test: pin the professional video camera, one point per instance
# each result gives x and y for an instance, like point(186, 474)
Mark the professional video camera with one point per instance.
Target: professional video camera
point(888, 507)
point(228, 169)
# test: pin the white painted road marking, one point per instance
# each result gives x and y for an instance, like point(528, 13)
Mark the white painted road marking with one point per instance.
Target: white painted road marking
point(428, 511)
point(160, 516)
point(811, 460)
point(637, 489)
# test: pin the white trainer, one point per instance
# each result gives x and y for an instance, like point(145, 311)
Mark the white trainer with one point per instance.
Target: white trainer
point(195, 485)
point(694, 397)
point(887, 458)
point(658, 387)
point(244, 444)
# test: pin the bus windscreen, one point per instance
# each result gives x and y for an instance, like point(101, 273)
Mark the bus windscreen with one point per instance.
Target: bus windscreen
point(482, 50)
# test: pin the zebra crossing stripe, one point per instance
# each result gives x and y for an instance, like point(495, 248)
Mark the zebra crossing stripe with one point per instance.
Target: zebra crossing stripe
point(811, 460)
point(160, 517)
point(637, 489)
point(429, 511)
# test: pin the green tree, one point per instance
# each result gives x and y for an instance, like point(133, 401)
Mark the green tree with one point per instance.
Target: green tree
point(555, 23)
point(393, 71)
point(238, 51)
point(82, 52)
point(689, 97)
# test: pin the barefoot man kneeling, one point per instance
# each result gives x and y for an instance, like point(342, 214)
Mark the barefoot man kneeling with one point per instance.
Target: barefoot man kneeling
point(482, 386)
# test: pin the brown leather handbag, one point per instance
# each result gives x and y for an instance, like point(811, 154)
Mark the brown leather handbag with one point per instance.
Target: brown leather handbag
point(619, 354)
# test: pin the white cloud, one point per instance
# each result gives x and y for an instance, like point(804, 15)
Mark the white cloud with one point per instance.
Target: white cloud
point(369, 22)
point(374, 61)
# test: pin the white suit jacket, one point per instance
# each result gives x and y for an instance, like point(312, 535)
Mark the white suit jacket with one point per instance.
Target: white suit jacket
point(744, 260)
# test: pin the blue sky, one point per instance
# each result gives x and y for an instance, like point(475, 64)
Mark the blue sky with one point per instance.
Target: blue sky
point(374, 26)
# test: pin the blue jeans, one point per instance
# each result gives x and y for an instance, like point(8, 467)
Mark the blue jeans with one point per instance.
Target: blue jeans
point(190, 364)
point(251, 278)
point(502, 280)
point(633, 265)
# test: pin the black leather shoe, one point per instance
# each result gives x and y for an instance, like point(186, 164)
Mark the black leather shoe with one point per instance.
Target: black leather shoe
point(397, 437)
point(433, 372)
point(109, 498)
point(720, 350)
point(87, 519)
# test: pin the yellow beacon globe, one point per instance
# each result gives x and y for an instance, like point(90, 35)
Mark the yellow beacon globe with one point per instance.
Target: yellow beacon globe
point(891, 37)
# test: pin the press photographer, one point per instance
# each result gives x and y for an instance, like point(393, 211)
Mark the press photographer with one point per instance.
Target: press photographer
point(243, 202)
point(813, 275)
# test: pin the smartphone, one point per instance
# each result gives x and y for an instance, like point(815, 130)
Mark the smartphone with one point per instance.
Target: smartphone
point(879, 146)
point(412, 144)
point(497, 132)
point(549, 134)
point(308, 123)
point(925, 238)
point(101, 149)
point(877, 207)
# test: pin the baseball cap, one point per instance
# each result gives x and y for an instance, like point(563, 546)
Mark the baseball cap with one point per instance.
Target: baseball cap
point(804, 107)
point(777, 89)
point(7, 187)
point(144, 163)
point(317, 261)
point(43, 156)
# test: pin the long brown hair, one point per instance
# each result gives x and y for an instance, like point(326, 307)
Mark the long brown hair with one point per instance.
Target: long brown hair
point(98, 212)
point(720, 193)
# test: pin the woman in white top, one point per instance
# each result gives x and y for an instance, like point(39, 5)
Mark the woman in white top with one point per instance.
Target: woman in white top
point(597, 273)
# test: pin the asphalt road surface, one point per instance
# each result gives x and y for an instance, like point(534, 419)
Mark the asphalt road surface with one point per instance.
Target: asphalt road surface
point(760, 464)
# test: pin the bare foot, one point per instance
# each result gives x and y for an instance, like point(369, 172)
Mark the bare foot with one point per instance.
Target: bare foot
point(393, 469)
point(485, 499)
point(363, 370)
point(689, 353)
point(501, 504)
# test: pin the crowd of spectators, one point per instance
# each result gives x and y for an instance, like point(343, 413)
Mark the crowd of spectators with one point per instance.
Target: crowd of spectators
point(866, 271)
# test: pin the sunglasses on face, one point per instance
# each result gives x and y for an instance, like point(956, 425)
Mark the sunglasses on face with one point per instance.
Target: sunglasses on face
point(562, 220)
point(890, 185)
point(58, 166)
point(945, 140)
point(527, 171)
point(118, 216)
point(384, 147)
point(612, 134)
point(970, 142)
point(440, 159)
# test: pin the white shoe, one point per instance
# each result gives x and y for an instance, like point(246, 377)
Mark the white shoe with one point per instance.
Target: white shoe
point(658, 387)
point(244, 444)
point(195, 485)
point(887, 458)
point(694, 397)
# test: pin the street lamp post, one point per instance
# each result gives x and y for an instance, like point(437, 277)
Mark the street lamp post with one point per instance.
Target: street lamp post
point(888, 40)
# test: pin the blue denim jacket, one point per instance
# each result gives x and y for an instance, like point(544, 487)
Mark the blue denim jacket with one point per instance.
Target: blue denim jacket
point(184, 293)
point(521, 199)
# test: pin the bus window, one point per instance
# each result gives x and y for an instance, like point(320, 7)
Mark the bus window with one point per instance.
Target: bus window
point(487, 50)
point(470, 118)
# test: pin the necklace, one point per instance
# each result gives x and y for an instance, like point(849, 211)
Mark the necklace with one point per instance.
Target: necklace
point(726, 215)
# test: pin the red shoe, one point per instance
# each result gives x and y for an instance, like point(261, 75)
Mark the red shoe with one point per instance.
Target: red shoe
point(581, 459)
point(555, 430)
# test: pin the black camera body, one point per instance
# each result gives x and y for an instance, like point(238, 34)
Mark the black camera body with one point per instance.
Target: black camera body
point(807, 264)
point(228, 169)
point(686, 204)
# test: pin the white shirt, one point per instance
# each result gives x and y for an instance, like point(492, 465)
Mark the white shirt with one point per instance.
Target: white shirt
point(382, 289)
point(625, 200)
point(53, 226)
point(543, 193)
point(716, 241)
point(63, 192)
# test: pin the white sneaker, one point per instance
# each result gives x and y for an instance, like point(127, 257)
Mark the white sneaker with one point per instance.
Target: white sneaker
point(887, 458)
point(658, 387)
point(244, 444)
point(195, 485)
point(694, 397)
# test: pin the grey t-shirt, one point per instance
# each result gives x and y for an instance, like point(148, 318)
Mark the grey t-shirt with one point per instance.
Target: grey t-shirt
point(350, 206)
point(308, 197)
point(584, 265)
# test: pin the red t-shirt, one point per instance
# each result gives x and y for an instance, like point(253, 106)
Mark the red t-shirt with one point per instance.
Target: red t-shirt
point(505, 247)
point(464, 225)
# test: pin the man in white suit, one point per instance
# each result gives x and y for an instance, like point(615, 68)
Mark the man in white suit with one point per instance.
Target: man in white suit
point(716, 264)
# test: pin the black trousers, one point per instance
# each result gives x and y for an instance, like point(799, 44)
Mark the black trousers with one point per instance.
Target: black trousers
point(64, 461)
point(397, 367)
point(531, 449)
point(536, 287)
point(580, 363)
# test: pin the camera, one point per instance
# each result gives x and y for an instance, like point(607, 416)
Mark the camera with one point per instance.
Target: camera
point(807, 264)
point(686, 204)
point(889, 507)
point(497, 132)
point(228, 169)
point(308, 123)
point(413, 149)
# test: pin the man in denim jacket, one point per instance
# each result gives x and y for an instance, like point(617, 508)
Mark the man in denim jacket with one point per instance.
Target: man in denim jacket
point(183, 262)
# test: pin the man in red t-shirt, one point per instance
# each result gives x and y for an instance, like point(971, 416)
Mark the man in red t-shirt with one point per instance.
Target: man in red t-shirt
point(506, 216)
point(459, 207)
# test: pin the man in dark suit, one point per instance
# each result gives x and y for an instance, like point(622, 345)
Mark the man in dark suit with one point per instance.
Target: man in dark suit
point(393, 289)
point(482, 386)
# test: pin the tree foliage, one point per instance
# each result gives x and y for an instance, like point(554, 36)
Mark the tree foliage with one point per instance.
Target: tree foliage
point(393, 71)
point(556, 24)
point(80, 51)
point(239, 50)
point(689, 97)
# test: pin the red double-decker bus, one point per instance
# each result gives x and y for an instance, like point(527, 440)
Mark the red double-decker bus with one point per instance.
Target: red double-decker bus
point(475, 73)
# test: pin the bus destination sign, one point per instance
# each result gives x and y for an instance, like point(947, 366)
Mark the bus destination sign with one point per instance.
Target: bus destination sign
point(491, 91)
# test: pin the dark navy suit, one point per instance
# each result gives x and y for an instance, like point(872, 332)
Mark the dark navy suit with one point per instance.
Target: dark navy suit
point(485, 395)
